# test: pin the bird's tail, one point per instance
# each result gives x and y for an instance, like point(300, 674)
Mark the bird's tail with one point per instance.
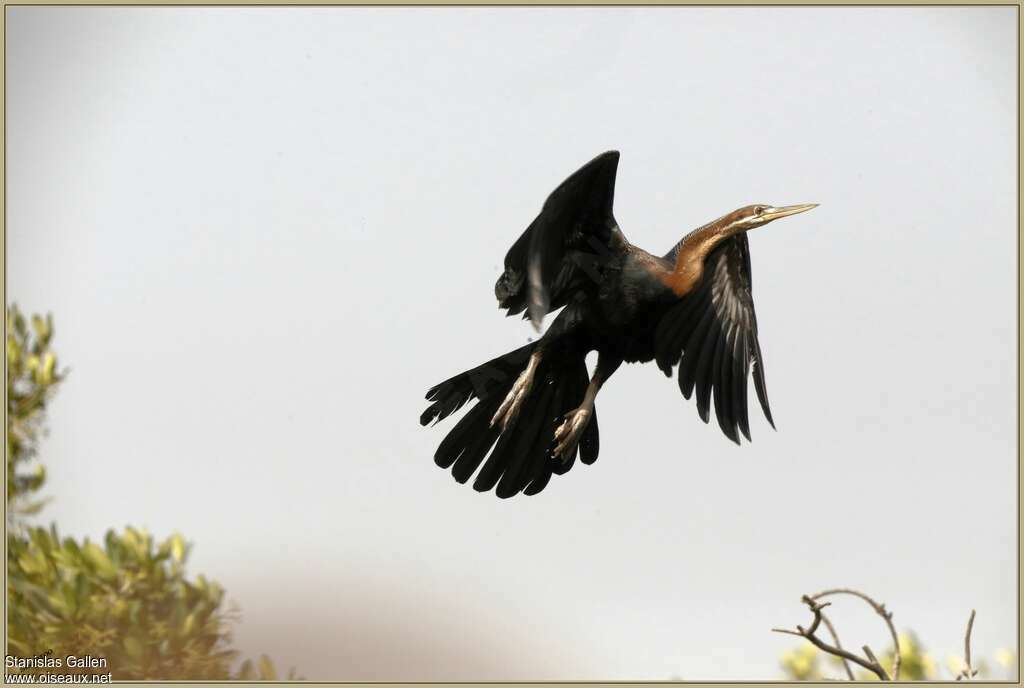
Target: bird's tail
point(521, 459)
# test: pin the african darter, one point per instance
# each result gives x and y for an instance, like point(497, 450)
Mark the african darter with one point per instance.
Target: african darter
point(691, 307)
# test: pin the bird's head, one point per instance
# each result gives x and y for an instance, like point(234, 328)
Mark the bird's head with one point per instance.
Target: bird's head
point(751, 216)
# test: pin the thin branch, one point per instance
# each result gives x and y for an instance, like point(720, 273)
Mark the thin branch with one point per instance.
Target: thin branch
point(835, 638)
point(870, 655)
point(967, 638)
point(882, 612)
point(870, 664)
point(968, 671)
point(787, 631)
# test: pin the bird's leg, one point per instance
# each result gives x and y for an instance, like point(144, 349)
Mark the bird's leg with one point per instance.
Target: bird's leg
point(513, 403)
point(568, 434)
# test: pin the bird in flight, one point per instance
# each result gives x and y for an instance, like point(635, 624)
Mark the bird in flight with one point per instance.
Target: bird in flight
point(691, 308)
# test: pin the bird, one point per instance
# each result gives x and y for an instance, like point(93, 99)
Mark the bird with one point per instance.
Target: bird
point(690, 309)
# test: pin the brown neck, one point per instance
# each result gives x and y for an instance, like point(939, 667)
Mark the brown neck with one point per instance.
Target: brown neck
point(690, 255)
point(699, 243)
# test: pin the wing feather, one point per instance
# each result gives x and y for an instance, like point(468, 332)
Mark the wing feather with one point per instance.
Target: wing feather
point(711, 334)
point(707, 366)
point(562, 250)
point(693, 346)
point(724, 385)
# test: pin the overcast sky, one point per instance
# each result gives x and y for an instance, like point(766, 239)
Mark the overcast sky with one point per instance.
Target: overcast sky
point(264, 233)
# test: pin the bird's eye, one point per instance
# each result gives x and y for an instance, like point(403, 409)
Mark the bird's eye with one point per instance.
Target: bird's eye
point(759, 209)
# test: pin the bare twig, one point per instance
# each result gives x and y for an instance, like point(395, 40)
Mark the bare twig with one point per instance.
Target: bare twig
point(968, 671)
point(835, 638)
point(882, 612)
point(870, 655)
point(871, 664)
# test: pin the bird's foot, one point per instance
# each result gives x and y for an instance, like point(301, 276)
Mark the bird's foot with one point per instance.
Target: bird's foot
point(568, 434)
point(513, 403)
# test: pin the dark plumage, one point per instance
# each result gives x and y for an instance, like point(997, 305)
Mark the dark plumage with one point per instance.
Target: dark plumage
point(692, 307)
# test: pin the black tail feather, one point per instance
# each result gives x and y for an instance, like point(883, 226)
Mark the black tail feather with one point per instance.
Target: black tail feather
point(488, 476)
point(469, 426)
point(488, 379)
point(475, 451)
point(530, 440)
point(541, 466)
point(518, 460)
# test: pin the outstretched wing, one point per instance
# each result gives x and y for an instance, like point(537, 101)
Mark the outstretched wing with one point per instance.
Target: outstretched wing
point(712, 334)
point(563, 248)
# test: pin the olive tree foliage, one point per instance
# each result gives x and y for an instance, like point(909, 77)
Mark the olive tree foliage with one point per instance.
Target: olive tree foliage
point(32, 379)
point(126, 599)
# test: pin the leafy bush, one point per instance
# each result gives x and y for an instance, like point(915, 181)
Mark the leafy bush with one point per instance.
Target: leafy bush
point(126, 600)
point(32, 378)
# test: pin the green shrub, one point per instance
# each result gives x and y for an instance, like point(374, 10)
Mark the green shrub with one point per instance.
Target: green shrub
point(126, 600)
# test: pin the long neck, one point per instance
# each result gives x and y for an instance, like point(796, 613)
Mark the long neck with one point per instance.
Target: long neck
point(698, 244)
point(689, 255)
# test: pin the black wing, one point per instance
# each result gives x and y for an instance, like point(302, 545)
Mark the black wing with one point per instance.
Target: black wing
point(712, 334)
point(563, 248)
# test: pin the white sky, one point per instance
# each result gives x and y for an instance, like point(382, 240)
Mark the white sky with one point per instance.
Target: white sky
point(264, 233)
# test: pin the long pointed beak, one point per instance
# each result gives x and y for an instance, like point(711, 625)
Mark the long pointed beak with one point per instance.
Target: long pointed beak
point(776, 213)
